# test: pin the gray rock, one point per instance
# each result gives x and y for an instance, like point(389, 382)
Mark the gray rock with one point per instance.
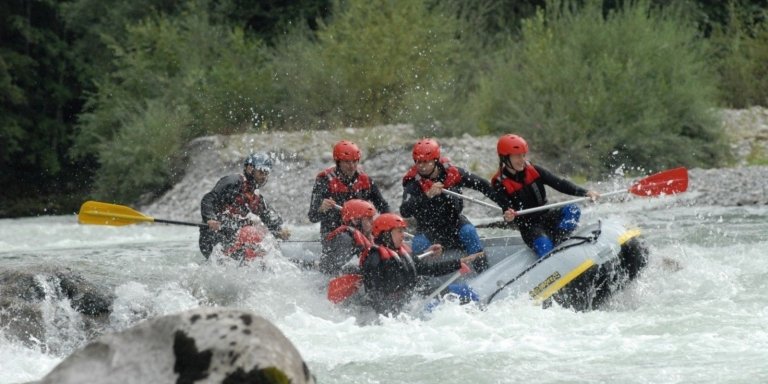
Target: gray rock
point(26, 295)
point(210, 345)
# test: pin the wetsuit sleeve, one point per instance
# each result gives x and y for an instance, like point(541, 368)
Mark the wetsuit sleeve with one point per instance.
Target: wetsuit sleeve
point(270, 217)
point(413, 198)
point(560, 184)
point(500, 197)
point(472, 181)
point(437, 268)
point(320, 191)
point(377, 199)
point(215, 201)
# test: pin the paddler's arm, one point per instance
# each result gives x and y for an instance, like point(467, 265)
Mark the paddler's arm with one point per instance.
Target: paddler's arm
point(563, 185)
point(273, 221)
point(320, 192)
point(439, 268)
point(472, 181)
point(377, 199)
point(213, 202)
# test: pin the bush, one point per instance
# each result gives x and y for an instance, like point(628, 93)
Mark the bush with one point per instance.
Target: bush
point(375, 62)
point(140, 157)
point(595, 91)
point(742, 52)
point(177, 78)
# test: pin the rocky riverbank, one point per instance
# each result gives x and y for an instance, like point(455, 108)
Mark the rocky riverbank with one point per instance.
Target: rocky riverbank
point(386, 157)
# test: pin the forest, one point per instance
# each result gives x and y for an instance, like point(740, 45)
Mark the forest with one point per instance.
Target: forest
point(99, 97)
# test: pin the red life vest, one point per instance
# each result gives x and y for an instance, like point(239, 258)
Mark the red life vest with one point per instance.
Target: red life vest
point(336, 186)
point(452, 177)
point(512, 186)
point(247, 201)
point(248, 241)
point(358, 237)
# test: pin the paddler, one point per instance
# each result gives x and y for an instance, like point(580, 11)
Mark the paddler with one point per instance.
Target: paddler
point(235, 202)
point(391, 273)
point(519, 185)
point(336, 185)
point(350, 239)
point(438, 215)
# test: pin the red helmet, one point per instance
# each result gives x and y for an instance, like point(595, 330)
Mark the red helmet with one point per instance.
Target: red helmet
point(425, 150)
point(511, 145)
point(387, 222)
point(346, 151)
point(356, 209)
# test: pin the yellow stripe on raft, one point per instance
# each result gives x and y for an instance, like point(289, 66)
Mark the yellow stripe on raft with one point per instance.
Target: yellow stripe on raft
point(574, 273)
point(628, 235)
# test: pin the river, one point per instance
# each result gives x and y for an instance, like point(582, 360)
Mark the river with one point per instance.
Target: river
point(704, 322)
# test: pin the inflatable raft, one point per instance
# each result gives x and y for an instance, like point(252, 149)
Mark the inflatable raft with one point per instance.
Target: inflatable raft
point(598, 260)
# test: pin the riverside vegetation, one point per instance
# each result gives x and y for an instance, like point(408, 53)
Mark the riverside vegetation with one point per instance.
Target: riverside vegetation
point(100, 98)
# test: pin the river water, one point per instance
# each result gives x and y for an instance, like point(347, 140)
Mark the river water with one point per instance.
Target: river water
point(697, 314)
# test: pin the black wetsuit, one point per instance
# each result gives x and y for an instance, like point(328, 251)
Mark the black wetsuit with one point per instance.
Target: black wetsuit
point(390, 283)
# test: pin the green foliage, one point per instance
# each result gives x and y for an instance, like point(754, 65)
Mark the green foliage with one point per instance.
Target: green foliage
point(593, 84)
point(742, 51)
point(38, 101)
point(171, 70)
point(140, 157)
point(595, 91)
point(374, 62)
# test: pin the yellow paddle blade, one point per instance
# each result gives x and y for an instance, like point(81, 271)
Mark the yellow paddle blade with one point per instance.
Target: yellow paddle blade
point(98, 213)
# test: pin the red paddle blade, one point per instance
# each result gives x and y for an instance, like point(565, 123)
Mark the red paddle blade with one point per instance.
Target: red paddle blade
point(342, 287)
point(667, 182)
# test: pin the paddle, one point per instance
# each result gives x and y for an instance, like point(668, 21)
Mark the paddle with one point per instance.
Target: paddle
point(342, 287)
point(667, 182)
point(98, 213)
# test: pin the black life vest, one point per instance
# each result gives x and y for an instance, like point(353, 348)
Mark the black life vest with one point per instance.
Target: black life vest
point(452, 176)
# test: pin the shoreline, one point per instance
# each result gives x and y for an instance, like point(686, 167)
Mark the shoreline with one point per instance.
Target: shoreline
point(386, 157)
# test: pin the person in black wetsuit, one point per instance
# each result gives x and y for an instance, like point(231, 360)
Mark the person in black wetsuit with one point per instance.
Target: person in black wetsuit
point(520, 185)
point(391, 274)
point(235, 202)
point(350, 239)
point(335, 185)
point(438, 215)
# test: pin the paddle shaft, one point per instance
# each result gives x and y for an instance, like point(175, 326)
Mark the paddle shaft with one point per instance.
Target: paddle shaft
point(472, 199)
point(563, 203)
point(201, 225)
point(531, 210)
